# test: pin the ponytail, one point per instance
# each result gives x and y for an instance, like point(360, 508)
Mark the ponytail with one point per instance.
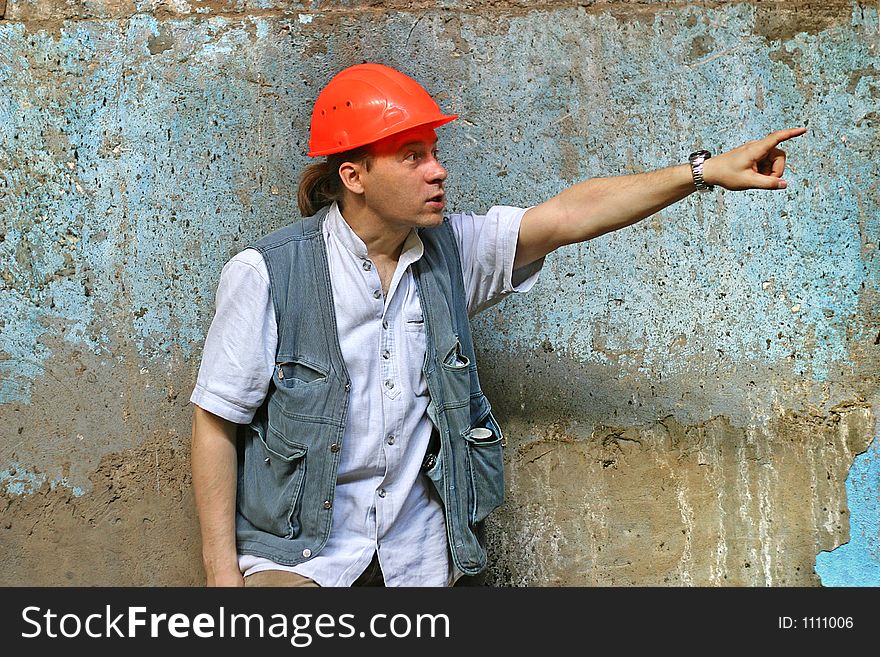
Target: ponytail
point(320, 185)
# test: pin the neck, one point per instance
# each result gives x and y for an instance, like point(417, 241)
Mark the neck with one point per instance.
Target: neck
point(382, 239)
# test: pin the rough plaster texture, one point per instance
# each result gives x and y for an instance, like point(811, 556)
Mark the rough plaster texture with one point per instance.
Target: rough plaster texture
point(687, 401)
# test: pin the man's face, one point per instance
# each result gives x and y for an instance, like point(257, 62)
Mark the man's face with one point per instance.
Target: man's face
point(404, 183)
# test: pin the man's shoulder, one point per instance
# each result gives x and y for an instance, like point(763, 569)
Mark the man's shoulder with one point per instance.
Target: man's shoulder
point(249, 257)
point(290, 232)
point(246, 265)
point(297, 230)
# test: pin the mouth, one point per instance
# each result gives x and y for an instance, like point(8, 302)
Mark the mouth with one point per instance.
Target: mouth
point(437, 201)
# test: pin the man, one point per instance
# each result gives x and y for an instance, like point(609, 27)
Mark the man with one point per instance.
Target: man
point(340, 436)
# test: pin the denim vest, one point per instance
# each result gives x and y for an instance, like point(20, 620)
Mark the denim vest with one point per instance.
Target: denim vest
point(289, 455)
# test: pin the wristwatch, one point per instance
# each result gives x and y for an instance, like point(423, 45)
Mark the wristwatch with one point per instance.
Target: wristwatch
point(697, 159)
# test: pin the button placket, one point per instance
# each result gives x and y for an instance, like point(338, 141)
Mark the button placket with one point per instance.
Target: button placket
point(371, 278)
point(387, 366)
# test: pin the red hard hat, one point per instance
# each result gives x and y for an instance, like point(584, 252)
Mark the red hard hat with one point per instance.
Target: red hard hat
point(366, 103)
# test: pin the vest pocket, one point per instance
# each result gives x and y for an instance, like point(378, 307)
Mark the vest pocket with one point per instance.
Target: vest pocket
point(272, 476)
point(485, 468)
point(455, 371)
point(289, 373)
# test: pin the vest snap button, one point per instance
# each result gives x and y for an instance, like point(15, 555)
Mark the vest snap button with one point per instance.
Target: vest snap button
point(307, 553)
point(334, 447)
point(327, 504)
point(267, 460)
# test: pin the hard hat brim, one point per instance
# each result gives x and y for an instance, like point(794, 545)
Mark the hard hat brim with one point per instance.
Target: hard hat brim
point(397, 129)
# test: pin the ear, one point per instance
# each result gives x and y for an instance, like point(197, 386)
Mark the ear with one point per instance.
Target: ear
point(350, 173)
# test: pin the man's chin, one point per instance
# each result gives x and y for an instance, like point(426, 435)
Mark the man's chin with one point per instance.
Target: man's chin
point(430, 219)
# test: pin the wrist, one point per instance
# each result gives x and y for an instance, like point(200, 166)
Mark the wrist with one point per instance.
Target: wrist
point(218, 571)
point(219, 559)
point(710, 169)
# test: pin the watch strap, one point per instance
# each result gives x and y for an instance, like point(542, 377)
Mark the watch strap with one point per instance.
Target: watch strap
point(697, 159)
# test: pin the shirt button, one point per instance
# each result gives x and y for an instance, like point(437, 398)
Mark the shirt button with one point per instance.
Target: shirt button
point(367, 265)
point(390, 440)
point(327, 504)
point(334, 447)
point(307, 553)
point(385, 324)
point(347, 387)
point(389, 384)
point(377, 294)
point(381, 492)
point(386, 354)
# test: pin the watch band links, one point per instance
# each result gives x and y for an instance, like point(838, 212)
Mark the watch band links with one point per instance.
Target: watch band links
point(697, 159)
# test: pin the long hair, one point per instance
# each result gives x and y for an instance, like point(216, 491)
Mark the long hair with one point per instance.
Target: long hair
point(320, 184)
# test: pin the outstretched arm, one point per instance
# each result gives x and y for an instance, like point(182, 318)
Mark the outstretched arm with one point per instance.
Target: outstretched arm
point(600, 205)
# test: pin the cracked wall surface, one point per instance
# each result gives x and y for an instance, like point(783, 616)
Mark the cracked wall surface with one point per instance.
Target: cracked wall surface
point(688, 401)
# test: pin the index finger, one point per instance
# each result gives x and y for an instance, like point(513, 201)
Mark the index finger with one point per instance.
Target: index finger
point(775, 138)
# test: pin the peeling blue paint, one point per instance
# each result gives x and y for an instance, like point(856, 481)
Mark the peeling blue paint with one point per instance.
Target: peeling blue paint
point(113, 180)
point(20, 481)
point(745, 277)
point(857, 563)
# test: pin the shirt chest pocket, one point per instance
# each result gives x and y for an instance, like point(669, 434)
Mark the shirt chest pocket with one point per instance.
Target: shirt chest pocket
point(413, 350)
point(414, 320)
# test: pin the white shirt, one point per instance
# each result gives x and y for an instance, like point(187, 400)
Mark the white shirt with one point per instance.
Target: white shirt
point(382, 501)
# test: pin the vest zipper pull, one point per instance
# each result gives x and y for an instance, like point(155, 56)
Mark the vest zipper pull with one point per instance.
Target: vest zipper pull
point(280, 372)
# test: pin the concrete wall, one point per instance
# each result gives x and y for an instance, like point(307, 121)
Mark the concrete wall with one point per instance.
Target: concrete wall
point(689, 401)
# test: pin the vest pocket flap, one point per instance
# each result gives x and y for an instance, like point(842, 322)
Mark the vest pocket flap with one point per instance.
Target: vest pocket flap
point(276, 445)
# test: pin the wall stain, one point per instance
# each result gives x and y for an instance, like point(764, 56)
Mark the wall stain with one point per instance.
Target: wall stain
point(134, 527)
point(668, 504)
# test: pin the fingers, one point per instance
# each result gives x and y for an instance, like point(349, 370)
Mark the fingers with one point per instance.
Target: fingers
point(775, 138)
point(772, 164)
point(757, 181)
point(778, 165)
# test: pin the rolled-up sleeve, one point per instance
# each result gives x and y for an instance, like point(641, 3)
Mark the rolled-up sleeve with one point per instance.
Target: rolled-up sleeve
point(239, 352)
point(487, 244)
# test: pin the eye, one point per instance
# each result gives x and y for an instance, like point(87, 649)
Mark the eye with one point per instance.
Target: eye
point(411, 156)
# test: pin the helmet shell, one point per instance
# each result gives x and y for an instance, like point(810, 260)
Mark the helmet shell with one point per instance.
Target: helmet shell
point(368, 102)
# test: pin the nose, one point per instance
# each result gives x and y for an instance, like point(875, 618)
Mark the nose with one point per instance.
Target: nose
point(437, 172)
